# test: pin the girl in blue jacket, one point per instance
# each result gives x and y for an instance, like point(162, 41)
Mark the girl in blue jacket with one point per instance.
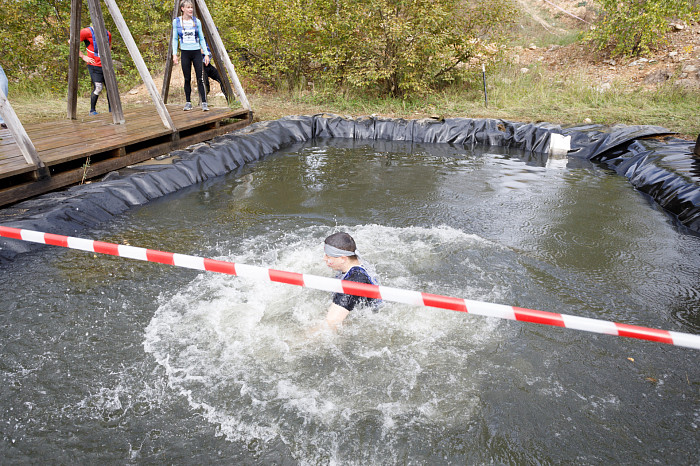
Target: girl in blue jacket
point(187, 30)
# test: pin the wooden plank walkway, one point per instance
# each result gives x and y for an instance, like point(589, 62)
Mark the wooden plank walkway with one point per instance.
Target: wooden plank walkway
point(66, 145)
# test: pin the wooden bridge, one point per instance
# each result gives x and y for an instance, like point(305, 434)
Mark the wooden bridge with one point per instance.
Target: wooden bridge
point(39, 158)
point(76, 150)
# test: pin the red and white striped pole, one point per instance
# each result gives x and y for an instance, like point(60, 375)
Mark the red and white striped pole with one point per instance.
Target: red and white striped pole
point(359, 289)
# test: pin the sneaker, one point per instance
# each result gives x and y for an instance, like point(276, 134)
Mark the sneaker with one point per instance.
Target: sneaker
point(205, 107)
point(93, 112)
point(188, 106)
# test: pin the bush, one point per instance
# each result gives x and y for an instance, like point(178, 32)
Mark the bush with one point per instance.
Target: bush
point(389, 47)
point(636, 27)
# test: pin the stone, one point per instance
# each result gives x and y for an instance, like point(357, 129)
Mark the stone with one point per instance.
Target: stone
point(657, 77)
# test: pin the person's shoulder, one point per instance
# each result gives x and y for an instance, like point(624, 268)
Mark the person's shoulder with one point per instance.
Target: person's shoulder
point(358, 273)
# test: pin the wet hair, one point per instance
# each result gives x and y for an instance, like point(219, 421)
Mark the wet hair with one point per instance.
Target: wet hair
point(342, 240)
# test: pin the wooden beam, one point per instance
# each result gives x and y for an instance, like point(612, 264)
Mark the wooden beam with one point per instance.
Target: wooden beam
point(216, 39)
point(140, 64)
point(169, 61)
point(74, 47)
point(21, 138)
point(98, 25)
point(219, 63)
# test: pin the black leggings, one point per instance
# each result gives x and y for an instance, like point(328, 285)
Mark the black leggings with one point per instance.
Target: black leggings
point(187, 59)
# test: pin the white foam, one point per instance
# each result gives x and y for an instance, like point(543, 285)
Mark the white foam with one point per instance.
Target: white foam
point(239, 349)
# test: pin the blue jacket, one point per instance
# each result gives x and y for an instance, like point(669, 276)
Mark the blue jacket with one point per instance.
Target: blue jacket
point(179, 31)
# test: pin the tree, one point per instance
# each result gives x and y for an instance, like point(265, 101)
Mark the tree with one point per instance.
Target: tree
point(393, 47)
point(636, 27)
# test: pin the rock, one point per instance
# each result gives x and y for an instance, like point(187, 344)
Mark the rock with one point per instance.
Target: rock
point(690, 69)
point(657, 77)
point(641, 61)
point(524, 70)
point(677, 26)
point(532, 47)
point(588, 121)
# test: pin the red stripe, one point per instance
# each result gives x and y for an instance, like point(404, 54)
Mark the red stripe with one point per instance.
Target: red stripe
point(291, 278)
point(361, 289)
point(56, 240)
point(444, 302)
point(8, 232)
point(160, 256)
point(644, 333)
point(538, 317)
point(220, 266)
point(106, 248)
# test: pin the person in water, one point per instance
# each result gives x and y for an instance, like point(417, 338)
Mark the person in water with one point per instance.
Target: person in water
point(341, 255)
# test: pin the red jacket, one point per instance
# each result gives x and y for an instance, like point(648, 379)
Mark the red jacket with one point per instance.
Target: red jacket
point(86, 36)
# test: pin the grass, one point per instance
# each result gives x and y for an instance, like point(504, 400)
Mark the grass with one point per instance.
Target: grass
point(513, 96)
point(539, 95)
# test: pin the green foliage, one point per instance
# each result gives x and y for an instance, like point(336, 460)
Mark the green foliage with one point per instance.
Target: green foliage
point(635, 27)
point(35, 34)
point(397, 48)
point(389, 47)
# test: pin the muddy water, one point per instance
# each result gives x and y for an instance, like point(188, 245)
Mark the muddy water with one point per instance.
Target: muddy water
point(111, 360)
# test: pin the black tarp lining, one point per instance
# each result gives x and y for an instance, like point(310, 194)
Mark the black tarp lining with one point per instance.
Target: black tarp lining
point(654, 161)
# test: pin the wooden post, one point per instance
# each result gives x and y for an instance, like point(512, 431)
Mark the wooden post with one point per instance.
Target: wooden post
point(21, 138)
point(219, 62)
point(216, 41)
point(140, 64)
point(169, 62)
point(74, 47)
point(98, 25)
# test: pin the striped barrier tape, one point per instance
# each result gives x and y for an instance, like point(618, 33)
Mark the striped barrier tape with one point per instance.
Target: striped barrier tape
point(359, 289)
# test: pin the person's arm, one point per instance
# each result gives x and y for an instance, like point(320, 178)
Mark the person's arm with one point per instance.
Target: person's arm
point(335, 316)
point(202, 42)
point(85, 37)
point(175, 41)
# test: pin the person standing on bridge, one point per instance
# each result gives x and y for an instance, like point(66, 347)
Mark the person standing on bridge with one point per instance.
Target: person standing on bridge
point(187, 30)
point(94, 64)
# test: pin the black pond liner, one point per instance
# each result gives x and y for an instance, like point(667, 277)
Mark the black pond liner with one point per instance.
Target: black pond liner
point(653, 160)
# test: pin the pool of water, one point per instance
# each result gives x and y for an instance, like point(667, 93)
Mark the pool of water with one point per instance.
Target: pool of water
point(107, 359)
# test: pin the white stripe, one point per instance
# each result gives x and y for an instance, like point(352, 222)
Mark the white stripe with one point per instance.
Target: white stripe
point(132, 253)
point(589, 325)
point(33, 236)
point(191, 262)
point(252, 271)
point(401, 296)
point(685, 339)
point(490, 310)
point(323, 283)
point(82, 244)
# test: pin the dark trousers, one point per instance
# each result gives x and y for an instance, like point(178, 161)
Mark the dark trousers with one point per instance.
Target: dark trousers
point(210, 72)
point(187, 59)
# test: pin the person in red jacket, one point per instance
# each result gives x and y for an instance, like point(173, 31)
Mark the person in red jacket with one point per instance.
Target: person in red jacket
point(94, 64)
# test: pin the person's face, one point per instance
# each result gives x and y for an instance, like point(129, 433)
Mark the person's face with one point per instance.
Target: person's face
point(187, 9)
point(335, 263)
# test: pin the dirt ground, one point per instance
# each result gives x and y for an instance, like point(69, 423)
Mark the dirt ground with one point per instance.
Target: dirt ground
point(679, 59)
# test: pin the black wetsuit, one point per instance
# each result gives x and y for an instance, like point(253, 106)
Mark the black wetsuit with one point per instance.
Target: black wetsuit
point(347, 301)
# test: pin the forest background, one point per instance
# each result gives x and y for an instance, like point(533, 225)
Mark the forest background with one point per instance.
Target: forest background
point(561, 61)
